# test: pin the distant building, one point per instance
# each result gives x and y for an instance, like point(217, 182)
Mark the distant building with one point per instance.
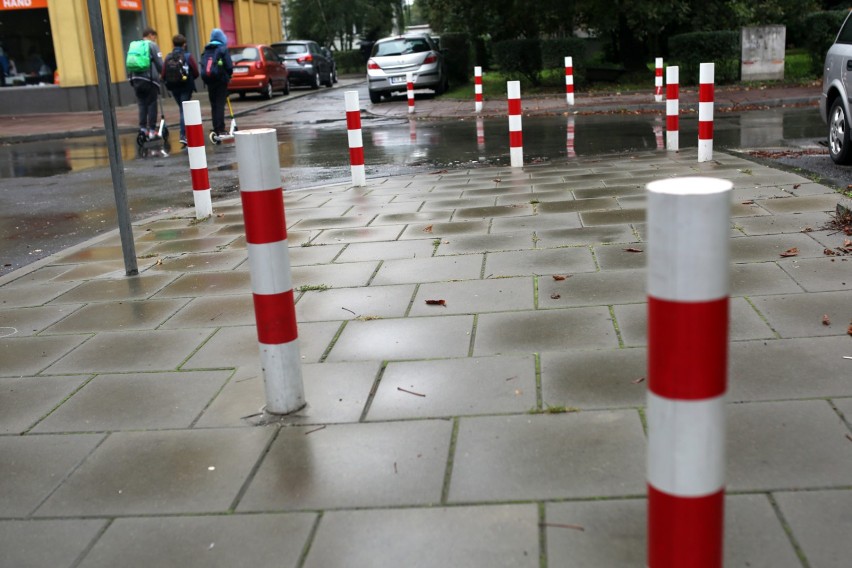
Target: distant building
point(57, 33)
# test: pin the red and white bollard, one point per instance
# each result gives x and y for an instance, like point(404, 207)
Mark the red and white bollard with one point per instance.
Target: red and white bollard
point(477, 88)
point(197, 159)
point(569, 80)
point(569, 137)
point(658, 129)
point(409, 87)
point(356, 143)
point(269, 263)
point(672, 95)
point(688, 263)
point(516, 140)
point(658, 80)
point(412, 130)
point(706, 99)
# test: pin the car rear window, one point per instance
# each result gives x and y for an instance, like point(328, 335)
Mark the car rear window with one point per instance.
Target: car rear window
point(291, 48)
point(244, 54)
point(400, 47)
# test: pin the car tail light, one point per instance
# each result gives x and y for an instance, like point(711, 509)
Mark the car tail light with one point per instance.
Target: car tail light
point(372, 65)
point(431, 58)
point(305, 58)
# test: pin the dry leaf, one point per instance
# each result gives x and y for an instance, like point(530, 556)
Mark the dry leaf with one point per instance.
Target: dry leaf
point(439, 172)
point(220, 215)
point(828, 252)
point(436, 303)
point(797, 185)
point(847, 243)
point(807, 230)
point(558, 277)
point(639, 380)
point(555, 296)
point(159, 261)
point(631, 249)
point(749, 202)
point(497, 180)
point(427, 229)
point(790, 252)
point(826, 320)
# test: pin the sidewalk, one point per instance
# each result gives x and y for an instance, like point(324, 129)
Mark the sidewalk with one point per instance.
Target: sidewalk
point(504, 428)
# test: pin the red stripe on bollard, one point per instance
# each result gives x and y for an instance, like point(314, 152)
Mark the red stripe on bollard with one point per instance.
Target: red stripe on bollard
point(264, 216)
point(706, 92)
point(353, 119)
point(685, 531)
point(514, 106)
point(705, 130)
point(276, 317)
point(356, 156)
point(694, 337)
point(516, 139)
point(200, 179)
point(672, 91)
point(194, 135)
point(672, 122)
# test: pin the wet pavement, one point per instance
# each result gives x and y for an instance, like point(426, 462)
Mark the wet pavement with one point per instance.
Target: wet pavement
point(504, 427)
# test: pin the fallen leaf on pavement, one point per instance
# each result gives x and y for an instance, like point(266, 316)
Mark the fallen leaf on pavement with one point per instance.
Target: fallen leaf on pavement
point(439, 172)
point(826, 320)
point(560, 277)
point(427, 229)
point(807, 230)
point(790, 252)
point(555, 296)
point(749, 202)
point(436, 303)
point(631, 249)
point(639, 380)
point(797, 185)
point(497, 180)
point(828, 252)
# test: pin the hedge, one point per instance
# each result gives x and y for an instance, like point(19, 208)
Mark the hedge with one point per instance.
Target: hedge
point(822, 29)
point(459, 68)
point(554, 52)
point(689, 50)
point(350, 61)
point(519, 58)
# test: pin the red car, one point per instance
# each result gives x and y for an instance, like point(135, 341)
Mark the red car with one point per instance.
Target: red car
point(257, 69)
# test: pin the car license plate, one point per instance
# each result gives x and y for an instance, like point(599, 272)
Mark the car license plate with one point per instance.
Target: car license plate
point(397, 80)
point(240, 70)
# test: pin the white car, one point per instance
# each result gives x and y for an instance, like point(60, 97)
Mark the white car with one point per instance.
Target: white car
point(834, 103)
point(393, 57)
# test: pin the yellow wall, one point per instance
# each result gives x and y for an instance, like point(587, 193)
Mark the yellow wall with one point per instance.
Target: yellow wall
point(257, 21)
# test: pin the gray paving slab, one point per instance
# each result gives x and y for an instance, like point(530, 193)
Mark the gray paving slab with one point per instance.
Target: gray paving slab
point(203, 541)
point(820, 523)
point(475, 296)
point(25, 322)
point(413, 217)
point(544, 330)
point(592, 289)
point(358, 235)
point(551, 238)
point(455, 387)
point(335, 392)
point(118, 316)
point(123, 288)
point(33, 544)
point(614, 534)
point(790, 369)
point(820, 274)
point(617, 257)
point(577, 205)
point(590, 379)
point(520, 240)
point(744, 323)
point(34, 466)
point(537, 222)
point(566, 260)
point(360, 252)
point(26, 356)
point(146, 401)
point(351, 303)
point(109, 269)
point(26, 400)
point(844, 407)
point(498, 536)
point(151, 473)
point(444, 230)
point(201, 262)
point(206, 244)
point(615, 217)
point(203, 284)
point(352, 465)
point(98, 254)
point(175, 234)
point(803, 315)
point(801, 204)
point(780, 224)
point(338, 275)
point(28, 296)
point(769, 247)
point(399, 339)
point(237, 346)
point(331, 222)
point(761, 278)
point(150, 350)
point(775, 446)
point(213, 311)
point(579, 454)
point(415, 271)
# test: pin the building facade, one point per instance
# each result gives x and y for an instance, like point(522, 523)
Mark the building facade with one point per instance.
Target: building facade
point(50, 43)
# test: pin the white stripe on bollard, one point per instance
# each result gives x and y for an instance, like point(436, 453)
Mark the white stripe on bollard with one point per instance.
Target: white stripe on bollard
point(516, 142)
point(688, 241)
point(356, 144)
point(569, 80)
point(409, 87)
point(269, 265)
point(706, 99)
point(197, 159)
point(658, 80)
point(477, 88)
point(672, 95)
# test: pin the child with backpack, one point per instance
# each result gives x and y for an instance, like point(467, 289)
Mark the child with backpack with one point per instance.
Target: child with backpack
point(216, 71)
point(179, 72)
point(144, 65)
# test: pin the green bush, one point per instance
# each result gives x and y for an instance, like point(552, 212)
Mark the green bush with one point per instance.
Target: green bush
point(519, 58)
point(554, 52)
point(350, 61)
point(459, 69)
point(822, 29)
point(688, 51)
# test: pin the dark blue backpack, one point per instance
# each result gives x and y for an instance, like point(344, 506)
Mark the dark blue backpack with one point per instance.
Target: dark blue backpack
point(212, 66)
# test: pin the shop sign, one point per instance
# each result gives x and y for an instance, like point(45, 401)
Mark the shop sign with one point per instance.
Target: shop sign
point(183, 7)
point(135, 5)
point(22, 4)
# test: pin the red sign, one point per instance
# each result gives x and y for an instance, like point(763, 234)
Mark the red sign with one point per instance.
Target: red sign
point(135, 5)
point(22, 4)
point(183, 7)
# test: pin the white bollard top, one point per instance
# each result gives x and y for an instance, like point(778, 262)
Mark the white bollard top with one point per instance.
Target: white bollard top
point(514, 89)
point(689, 186)
point(192, 112)
point(569, 62)
point(659, 61)
point(672, 74)
point(257, 159)
point(706, 72)
point(352, 101)
point(477, 70)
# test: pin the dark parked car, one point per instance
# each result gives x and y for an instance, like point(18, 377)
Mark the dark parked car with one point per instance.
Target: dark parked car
point(306, 63)
point(392, 57)
point(257, 69)
point(834, 104)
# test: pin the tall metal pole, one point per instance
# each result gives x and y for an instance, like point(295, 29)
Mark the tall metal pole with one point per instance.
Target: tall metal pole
point(116, 164)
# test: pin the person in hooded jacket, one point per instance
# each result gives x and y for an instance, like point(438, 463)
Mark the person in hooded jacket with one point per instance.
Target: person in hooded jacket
point(146, 85)
point(182, 90)
point(217, 83)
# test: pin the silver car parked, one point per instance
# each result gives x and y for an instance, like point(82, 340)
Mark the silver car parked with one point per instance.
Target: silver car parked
point(392, 57)
point(834, 103)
